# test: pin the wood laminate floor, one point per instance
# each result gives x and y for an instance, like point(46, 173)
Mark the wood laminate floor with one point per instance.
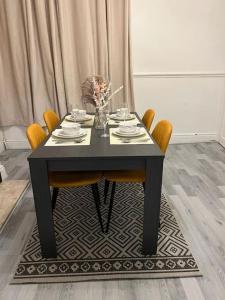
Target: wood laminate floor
point(194, 182)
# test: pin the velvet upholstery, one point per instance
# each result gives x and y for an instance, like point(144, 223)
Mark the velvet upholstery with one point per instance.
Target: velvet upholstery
point(35, 135)
point(148, 118)
point(51, 120)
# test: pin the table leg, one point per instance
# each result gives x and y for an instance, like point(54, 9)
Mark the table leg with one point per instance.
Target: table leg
point(43, 206)
point(153, 184)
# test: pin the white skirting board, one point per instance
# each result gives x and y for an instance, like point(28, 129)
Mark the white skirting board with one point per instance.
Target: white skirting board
point(182, 138)
point(21, 144)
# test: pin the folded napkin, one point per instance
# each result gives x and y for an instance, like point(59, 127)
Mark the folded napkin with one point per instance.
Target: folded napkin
point(56, 141)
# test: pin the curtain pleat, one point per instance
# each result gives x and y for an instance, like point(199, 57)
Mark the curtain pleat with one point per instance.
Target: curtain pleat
point(119, 49)
point(48, 48)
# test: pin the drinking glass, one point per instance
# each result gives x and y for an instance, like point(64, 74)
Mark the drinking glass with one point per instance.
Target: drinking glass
point(124, 116)
point(104, 120)
point(124, 113)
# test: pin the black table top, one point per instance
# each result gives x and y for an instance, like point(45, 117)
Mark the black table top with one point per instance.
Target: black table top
point(98, 148)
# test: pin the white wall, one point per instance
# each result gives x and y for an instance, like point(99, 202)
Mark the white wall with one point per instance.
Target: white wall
point(15, 137)
point(179, 63)
point(192, 105)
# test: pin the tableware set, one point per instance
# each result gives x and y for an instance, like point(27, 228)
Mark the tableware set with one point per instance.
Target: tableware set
point(122, 114)
point(78, 115)
point(125, 130)
point(69, 131)
point(133, 131)
point(72, 130)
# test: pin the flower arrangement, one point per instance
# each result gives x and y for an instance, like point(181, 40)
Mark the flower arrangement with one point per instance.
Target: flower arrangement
point(97, 91)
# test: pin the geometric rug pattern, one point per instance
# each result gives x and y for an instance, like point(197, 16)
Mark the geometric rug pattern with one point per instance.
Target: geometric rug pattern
point(85, 253)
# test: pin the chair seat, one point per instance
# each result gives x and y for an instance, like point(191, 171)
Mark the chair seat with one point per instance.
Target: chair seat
point(73, 179)
point(125, 176)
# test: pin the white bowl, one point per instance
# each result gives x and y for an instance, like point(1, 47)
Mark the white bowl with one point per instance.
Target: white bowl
point(74, 112)
point(127, 128)
point(122, 112)
point(71, 129)
point(78, 113)
point(82, 113)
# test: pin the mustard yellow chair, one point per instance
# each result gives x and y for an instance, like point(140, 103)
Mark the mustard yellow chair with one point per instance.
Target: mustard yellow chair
point(51, 120)
point(161, 134)
point(148, 118)
point(36, 135)
point(147, 121)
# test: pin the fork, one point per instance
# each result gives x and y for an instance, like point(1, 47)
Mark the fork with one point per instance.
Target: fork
point(77, 141)
point(127, 140)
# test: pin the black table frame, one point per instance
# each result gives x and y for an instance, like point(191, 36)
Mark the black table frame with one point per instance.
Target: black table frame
point(100, 155)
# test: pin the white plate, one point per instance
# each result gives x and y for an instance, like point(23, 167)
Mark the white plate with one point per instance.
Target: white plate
point(138, 133)
point(59, 133)
point(119, 118)
point(85, 119)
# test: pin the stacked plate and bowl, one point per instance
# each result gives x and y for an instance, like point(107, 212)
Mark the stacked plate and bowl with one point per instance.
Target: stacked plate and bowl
point(78, 115)
point(122, 114)
point(70, 131)
point(126, 129)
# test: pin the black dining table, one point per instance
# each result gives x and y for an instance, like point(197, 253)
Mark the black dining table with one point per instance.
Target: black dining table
point(99, 155)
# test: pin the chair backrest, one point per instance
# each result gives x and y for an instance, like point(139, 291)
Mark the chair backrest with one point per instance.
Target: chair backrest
point(148, 118)
point(35, 135)
point(162, 133)
point(51, 120)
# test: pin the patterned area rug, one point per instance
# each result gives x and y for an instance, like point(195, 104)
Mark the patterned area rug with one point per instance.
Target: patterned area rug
point(85, 253)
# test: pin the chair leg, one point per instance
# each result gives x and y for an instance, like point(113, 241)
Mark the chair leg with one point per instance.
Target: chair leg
point(54, 196)
point(97, 203)
point(110, 206)
point(106, 188)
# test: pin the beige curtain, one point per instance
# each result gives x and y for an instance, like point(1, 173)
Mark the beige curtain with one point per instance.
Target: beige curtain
point(49, 47)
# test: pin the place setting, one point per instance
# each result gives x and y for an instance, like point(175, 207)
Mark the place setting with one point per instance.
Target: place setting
point(128, 133)
point(70, 134)
point(79, 116)
point(123, 115)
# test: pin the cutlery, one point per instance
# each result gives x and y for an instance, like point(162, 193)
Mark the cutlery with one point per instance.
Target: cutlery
point(129, 140)
point(77, 141)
